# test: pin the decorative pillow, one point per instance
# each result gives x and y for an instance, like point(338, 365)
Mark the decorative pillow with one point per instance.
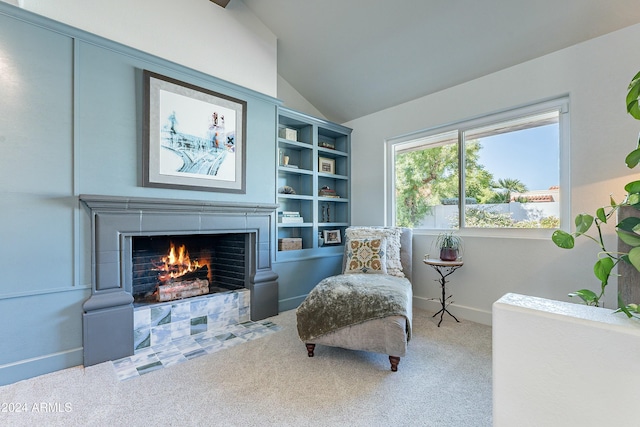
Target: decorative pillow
point(392, 235)
point(366, 256)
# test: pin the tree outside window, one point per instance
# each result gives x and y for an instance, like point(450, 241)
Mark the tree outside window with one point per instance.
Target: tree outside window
point(511, 175)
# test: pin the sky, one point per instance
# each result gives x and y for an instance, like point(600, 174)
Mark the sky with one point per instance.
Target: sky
point(530, 155)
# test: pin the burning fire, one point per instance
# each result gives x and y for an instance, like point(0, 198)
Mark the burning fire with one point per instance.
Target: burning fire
point(176, 264)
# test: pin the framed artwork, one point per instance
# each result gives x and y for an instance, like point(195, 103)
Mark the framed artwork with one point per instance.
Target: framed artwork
point(326, 165)
point(194, 138)
point(331, 237)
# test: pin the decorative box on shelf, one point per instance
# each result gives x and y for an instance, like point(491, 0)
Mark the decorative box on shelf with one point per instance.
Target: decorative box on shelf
point(290, 134)
point(290, 244)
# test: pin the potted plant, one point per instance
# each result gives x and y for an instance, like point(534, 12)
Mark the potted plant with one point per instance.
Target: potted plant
point(449, 244)
point(628, 230)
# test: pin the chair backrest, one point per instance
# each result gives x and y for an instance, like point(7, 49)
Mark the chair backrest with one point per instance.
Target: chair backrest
point(406, 253)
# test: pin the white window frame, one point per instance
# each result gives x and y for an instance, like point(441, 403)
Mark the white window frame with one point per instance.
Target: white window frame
point(560, 104)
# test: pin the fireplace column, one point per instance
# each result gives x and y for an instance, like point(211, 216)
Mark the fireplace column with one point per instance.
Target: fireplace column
point(107, 326)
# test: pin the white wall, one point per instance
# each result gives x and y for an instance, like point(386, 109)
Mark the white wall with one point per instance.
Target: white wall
point(291, 98)
point(229, 43)
point(578, 363)
point(595, 74)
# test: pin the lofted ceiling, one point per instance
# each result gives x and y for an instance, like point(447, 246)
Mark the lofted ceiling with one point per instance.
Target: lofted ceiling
point(350, 58)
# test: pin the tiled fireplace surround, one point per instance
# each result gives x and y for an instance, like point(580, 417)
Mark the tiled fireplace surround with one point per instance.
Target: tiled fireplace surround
point(108, 319)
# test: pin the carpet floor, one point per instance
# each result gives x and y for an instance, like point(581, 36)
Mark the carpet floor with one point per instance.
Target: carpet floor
point(444, 380)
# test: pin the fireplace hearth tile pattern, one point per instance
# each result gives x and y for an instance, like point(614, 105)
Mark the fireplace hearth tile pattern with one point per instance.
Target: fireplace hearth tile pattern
point(171, 333)
point(159, 324)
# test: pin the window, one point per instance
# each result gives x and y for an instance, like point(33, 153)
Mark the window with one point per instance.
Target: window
point(512, 171)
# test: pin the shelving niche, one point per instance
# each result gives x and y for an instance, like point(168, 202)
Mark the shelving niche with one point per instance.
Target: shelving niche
point(303, 142)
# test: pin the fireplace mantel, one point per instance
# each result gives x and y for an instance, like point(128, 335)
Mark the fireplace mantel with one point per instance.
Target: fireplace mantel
point(138, 204)
point(108, 313)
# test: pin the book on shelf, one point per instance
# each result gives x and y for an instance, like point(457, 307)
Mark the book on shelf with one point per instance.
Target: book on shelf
point(328, 192)
point(325, 144)
point(290, 217)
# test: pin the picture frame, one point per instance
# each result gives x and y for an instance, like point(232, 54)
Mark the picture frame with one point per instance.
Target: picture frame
point(332, 237)
point(194, 138)
point(326, 165)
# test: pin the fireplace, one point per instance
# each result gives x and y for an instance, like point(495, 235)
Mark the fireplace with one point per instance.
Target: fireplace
point(124, 229)
point(171, 267)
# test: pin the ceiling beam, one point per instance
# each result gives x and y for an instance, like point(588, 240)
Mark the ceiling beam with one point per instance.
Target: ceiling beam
point(222, 3)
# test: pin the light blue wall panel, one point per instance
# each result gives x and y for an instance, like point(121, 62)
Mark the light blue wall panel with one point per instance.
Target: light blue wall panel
point(41, 333)
point(35, 109)
point(71, 123)
point(40, 299)
point(36, 170)
point(36, 243)
point(109, 126)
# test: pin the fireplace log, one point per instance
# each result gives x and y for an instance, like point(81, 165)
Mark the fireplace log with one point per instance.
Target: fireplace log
point(199, 273)
point(182, 289)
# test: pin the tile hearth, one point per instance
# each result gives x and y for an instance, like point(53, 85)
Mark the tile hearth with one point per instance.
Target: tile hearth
point(171, 333)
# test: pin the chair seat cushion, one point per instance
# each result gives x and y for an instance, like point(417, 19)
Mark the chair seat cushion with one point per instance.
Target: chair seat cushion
point(351, 299)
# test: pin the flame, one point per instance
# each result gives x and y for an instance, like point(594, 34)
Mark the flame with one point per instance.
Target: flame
point(177, 263)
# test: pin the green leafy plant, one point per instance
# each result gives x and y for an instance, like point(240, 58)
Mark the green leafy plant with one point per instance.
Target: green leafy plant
point(449, 244)
point(448, 240)
point(628, 230)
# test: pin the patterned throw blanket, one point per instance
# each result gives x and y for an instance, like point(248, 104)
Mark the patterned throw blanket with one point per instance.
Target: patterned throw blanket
point(349, 299)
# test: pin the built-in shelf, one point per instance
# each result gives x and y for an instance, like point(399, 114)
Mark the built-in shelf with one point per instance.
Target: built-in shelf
point(312, 153)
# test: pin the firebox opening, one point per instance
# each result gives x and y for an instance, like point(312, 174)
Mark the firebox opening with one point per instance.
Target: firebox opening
point(170, 267)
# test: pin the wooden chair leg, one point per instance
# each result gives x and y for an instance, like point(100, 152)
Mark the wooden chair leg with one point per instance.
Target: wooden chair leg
point(310, 349)
point(394, 362)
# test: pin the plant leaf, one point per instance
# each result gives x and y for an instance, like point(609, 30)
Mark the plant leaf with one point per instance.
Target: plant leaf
point(629, 224)
point(631, 239)
point(635, 81)
point(589, 297)
point(633, 158)
point(562, 239)
point(583, 223)
point(633, 200)
point(632, 97)
point(602, 269)
point(621, 307)
point(601, 215)
point(634, 257)
point(632, 187)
